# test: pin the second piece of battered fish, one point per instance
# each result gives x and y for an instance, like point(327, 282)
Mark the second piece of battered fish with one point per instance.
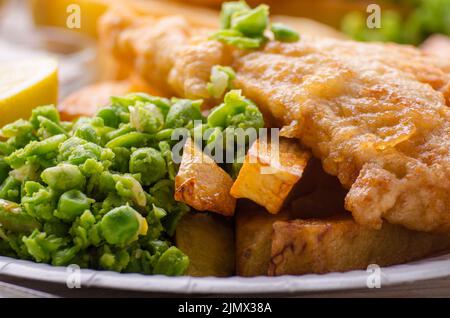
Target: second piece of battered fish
point(376, 115)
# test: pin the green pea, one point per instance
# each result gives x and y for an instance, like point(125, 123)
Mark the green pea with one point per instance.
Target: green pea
point(128, 187)
point(284, 33)
point(141, 261)
point(133, 139)
point(122, 130)
point(31, 187)
point(4, 169)
point(183, 112)
point(121, 159)
point(65, 256)
point(214, 140)
point(251, 117)
point(236, 112)
point(76, 151)
point(45, 146)
point(172, 263)
point(14, 218)
point(124, 101)
point(10, 189)
point(5, 148)
point(48, 128)
point(85, 231)
point(251, 23)
point(122, 225)
point(13, 129)
point(50, 112)
point(39, 201)
point(35, 148)
point(237, 39)
point(131, 99)
point(164, 134)
point(166, 152)
point(87, 132)
point(229, 9)
point(162, 103)
point(220, 80)
point(146, 118)
point(19, 133)
point(64, 177)
point(99, 186)
point(72, 204)
point(110, 116)
point(114, 260)
point(41, 246)
point(67, 125)
point(92, 167)
point(149, 163)
point(56, 227)
point(233, 103)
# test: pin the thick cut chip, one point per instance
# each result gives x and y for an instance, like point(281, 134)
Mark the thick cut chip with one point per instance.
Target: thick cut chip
point(270, 172)
point(254, 229)
point(208, 240)
point(340, 244)
point(202, 184)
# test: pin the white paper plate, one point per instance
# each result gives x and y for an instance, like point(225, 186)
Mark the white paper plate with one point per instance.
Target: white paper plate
point(431, 268)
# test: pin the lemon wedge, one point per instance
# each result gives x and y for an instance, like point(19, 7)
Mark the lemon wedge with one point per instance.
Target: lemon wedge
point(25, 85)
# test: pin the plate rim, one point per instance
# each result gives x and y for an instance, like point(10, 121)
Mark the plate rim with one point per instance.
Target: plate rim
point(425, 269)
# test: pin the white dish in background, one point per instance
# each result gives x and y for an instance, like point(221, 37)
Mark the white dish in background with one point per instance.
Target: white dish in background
point(431, 268)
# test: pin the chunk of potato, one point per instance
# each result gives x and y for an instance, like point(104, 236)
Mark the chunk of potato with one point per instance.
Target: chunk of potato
point(340, 244)
point(208, 240)
point(202, 184)
point(254, 228)
point(268, 175)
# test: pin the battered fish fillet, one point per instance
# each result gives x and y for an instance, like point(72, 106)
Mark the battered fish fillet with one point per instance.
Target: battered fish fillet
point(376, 115)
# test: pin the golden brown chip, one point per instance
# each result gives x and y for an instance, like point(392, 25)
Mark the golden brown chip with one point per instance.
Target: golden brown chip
point(208, 240)
point(340, 244)
point(202, 184)
point(254, 239)
point(267, 177)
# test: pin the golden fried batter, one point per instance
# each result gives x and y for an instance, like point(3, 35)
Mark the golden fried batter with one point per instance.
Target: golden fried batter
point(376, 115)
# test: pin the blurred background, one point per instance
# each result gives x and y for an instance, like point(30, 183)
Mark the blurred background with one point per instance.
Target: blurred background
point(41, 28)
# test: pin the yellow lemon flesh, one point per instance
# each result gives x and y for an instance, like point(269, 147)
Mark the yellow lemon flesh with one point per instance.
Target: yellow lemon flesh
point(25, 85)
